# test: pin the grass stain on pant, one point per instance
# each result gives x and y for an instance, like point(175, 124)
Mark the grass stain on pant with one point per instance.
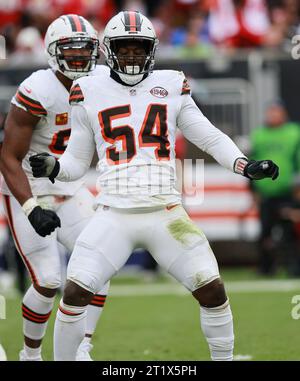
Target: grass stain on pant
point(185, 231)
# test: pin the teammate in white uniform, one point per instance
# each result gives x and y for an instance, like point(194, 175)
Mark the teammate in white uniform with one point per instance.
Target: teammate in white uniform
point(40, 120)
point(131, 118)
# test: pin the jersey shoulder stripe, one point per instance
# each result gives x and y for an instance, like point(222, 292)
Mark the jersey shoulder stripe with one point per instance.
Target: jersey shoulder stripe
point(76, 95)
point(32, 106)
point(173, 80)
point(185, 87)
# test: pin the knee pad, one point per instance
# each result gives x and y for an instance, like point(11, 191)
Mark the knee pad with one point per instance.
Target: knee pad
point(195, 268)
point(104, 289)
point(50, 280)
point(90, 269)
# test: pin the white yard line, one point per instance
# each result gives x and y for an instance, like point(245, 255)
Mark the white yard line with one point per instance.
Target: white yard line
point(242, 357)
point(282, 285)
point(231, 287)
point(264, 285)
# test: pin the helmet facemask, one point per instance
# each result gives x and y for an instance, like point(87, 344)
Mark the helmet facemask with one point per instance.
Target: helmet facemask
point(130, 57)
point(75, 65)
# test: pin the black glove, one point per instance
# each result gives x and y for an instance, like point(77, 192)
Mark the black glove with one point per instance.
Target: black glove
point(44, 165)
point(257, 170)
point(44, 221)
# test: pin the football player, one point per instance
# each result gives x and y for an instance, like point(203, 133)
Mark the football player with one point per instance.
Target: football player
point(131, 116)
point(40, 120)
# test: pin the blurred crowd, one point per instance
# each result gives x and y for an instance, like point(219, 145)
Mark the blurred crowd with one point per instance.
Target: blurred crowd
point(193, 28)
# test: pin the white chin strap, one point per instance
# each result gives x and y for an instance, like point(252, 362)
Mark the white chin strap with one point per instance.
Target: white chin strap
point(134, 77)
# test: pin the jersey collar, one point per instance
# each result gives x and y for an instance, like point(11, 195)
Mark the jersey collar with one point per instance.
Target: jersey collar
point(115, 76)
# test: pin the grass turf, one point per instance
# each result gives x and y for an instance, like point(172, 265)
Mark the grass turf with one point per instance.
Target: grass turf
point(166, 327)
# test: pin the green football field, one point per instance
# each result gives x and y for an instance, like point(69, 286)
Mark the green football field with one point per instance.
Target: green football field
point(160, 321)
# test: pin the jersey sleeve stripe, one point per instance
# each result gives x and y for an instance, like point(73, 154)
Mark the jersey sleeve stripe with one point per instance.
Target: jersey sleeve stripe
point(76, 92)
point(185, 87)
point(30, 105)
point(30, 101)
point(76, 95)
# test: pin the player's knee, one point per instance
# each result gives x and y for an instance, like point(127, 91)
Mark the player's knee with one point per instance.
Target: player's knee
point(47, 292)
point(74, 295)
point(51, 280)
point(212, 294)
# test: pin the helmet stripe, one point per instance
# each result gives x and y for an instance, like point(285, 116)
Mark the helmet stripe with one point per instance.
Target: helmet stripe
point(126, 21)
point(132, 21)
point(73, 25)
point(81, 20)
point(77, 24)
point(138, 22)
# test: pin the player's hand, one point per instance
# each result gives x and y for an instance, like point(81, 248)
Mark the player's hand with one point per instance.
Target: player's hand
point(44, 165)
point(44, 221)
point(257, 170)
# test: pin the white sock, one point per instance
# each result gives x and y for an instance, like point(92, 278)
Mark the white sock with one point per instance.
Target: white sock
point(36, 310)
point(217, 326)
point(69, 331)
point(86, 340)
point(32, 353)
point(94, 311)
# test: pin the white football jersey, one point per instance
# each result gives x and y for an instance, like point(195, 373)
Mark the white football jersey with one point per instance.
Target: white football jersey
point(133, 129)
point(43, 95)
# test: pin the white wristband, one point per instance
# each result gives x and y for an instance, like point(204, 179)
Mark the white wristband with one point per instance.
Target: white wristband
point(29, 205)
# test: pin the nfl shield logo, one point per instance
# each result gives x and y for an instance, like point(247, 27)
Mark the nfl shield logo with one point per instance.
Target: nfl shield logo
point(132, 91)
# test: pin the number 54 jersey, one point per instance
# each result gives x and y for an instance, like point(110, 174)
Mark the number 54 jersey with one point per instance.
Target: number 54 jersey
point(134, 129)
point(44, 96)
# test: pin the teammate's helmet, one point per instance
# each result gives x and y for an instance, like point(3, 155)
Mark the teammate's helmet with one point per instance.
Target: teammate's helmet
point(67, 33)
point(126, 27)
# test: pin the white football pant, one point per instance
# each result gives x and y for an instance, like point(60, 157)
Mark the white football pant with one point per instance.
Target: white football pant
point(171, 237)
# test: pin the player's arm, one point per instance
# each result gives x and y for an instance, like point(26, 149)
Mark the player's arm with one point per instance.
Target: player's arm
point(200, 131)
point(76, 159)
point(19, 127)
